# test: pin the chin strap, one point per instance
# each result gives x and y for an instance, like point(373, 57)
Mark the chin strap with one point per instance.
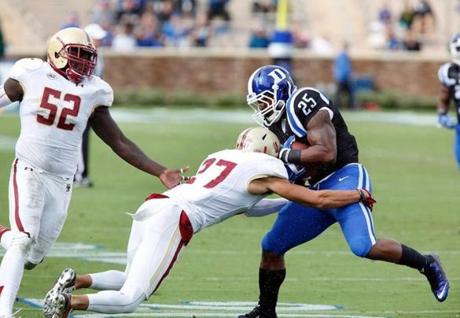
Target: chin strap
point(4, 99)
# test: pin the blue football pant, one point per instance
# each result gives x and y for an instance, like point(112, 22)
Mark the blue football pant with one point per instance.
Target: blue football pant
point(297, 224)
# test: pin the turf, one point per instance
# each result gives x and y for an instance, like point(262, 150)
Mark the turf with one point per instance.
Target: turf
point(415, 182)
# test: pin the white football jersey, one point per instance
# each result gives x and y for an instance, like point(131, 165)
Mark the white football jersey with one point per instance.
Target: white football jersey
point(54, 113)
point(219, 189)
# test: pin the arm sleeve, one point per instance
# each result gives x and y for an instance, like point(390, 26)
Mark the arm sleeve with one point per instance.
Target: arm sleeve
point(266, 207)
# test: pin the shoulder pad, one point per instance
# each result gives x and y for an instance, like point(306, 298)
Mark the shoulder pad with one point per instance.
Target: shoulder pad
point(104, 90)
point(301, 106)
point(443, 74)
point(23, 66)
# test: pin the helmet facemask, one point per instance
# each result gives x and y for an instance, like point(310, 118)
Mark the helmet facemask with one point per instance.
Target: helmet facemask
point(81, 61)
point(267, 108)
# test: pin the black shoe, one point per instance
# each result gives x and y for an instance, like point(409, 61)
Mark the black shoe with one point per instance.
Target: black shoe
point(437, 278)
point(259, 312)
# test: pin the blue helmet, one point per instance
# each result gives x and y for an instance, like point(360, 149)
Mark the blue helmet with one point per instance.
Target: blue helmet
point(269, 88)
point(454, 48)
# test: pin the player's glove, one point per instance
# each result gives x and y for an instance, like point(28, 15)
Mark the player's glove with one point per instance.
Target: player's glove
point(287, 154)
point(445, 121)
point(366, 198)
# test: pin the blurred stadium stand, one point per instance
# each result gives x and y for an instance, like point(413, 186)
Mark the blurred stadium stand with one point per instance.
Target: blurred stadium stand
point(28, 23)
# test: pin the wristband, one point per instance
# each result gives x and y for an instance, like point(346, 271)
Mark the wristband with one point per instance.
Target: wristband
point(290, 155)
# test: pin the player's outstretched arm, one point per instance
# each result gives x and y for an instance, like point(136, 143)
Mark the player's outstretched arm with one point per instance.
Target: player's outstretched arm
point(107, 129)
point(322, 199)
point(10, 92)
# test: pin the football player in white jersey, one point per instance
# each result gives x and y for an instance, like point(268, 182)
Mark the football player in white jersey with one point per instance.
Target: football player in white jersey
point(57, 98)
point(227, 183)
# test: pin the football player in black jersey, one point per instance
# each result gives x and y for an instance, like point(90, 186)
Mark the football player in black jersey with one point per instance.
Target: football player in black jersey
point(449, 76)
point(330, 162)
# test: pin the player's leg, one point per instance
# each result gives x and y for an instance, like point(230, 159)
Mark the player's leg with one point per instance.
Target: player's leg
point(161, 244)
point(26, 196)
point(58, 192)
point(112, 279)
point(295, 225)
point(457, 145)
point(357, 226)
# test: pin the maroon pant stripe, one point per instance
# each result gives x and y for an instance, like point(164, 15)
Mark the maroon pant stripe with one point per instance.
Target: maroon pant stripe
point(16, 198)
point(181, 244)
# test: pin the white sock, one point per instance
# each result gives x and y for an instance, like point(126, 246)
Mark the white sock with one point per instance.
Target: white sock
point(109, 280)
point(11, 271)
point(112, 302)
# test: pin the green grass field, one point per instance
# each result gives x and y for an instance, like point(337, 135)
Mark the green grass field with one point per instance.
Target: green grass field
point(415, 182)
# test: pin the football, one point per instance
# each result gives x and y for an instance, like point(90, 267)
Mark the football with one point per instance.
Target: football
point(299, 146)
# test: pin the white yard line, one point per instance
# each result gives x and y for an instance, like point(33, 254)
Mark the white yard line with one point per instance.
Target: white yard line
point(242, 116)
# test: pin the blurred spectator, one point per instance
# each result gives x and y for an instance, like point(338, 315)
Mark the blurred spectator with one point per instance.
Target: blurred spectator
point(218, 8)
point(165, 11)
point(185, 7)
point(72, 20)
point(392, 42)
point(129, 8)
point(263, 6)
point(385, 15)
point(148, 33)
point(103, 13)
point(411, 42)
point(259, 37)
point(302, 38)
point(201, 32)
point(175, 31)
point(407, 16)
point(124, 39)
point(423, 17)
point(343, 76)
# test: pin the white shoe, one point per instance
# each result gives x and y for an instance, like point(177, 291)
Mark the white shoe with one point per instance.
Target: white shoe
point(65, 284)
point(59, 306)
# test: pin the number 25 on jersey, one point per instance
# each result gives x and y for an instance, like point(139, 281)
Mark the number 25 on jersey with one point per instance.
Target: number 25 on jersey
point(49, 120)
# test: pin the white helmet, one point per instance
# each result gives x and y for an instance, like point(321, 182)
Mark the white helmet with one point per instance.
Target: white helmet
point(258, 139)
point(454, 48)
point(72, 53)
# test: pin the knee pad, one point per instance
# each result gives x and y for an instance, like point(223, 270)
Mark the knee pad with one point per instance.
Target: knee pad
point(21, 240)
point(360, 246)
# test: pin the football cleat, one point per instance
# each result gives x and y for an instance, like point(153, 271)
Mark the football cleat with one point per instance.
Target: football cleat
point(59, 306)
point(436, 277)
point(65, 284)
point(259, 312)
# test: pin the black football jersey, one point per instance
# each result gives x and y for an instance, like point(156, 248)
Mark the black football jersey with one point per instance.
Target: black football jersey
point(449, 75)
point(300, 108)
